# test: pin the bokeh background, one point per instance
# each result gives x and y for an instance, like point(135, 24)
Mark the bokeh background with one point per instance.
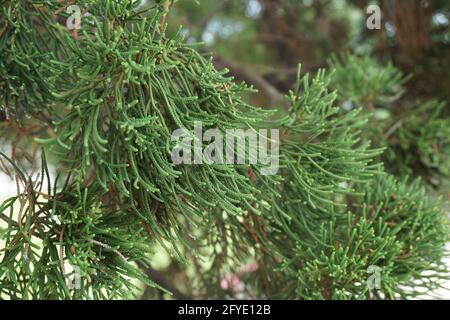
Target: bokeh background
point(262, 41)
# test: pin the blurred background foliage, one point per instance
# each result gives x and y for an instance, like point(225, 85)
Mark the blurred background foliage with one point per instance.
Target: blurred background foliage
point(270, 37)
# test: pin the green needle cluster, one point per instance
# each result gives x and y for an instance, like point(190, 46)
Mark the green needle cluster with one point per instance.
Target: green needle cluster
point(107, 98)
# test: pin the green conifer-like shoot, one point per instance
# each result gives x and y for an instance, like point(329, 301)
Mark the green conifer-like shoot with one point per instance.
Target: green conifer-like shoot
point(99, 104)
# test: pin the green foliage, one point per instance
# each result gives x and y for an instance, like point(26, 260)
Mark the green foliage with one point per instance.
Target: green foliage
point(365, 82)
point(27, 56)
point(321, 156)
point(68, 227)
point(108, 98)
point(415, 135)
point(394, 227)
point(420, 143)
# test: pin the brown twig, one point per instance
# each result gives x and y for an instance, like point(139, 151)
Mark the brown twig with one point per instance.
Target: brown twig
point(243, 74)
point(166, 6)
